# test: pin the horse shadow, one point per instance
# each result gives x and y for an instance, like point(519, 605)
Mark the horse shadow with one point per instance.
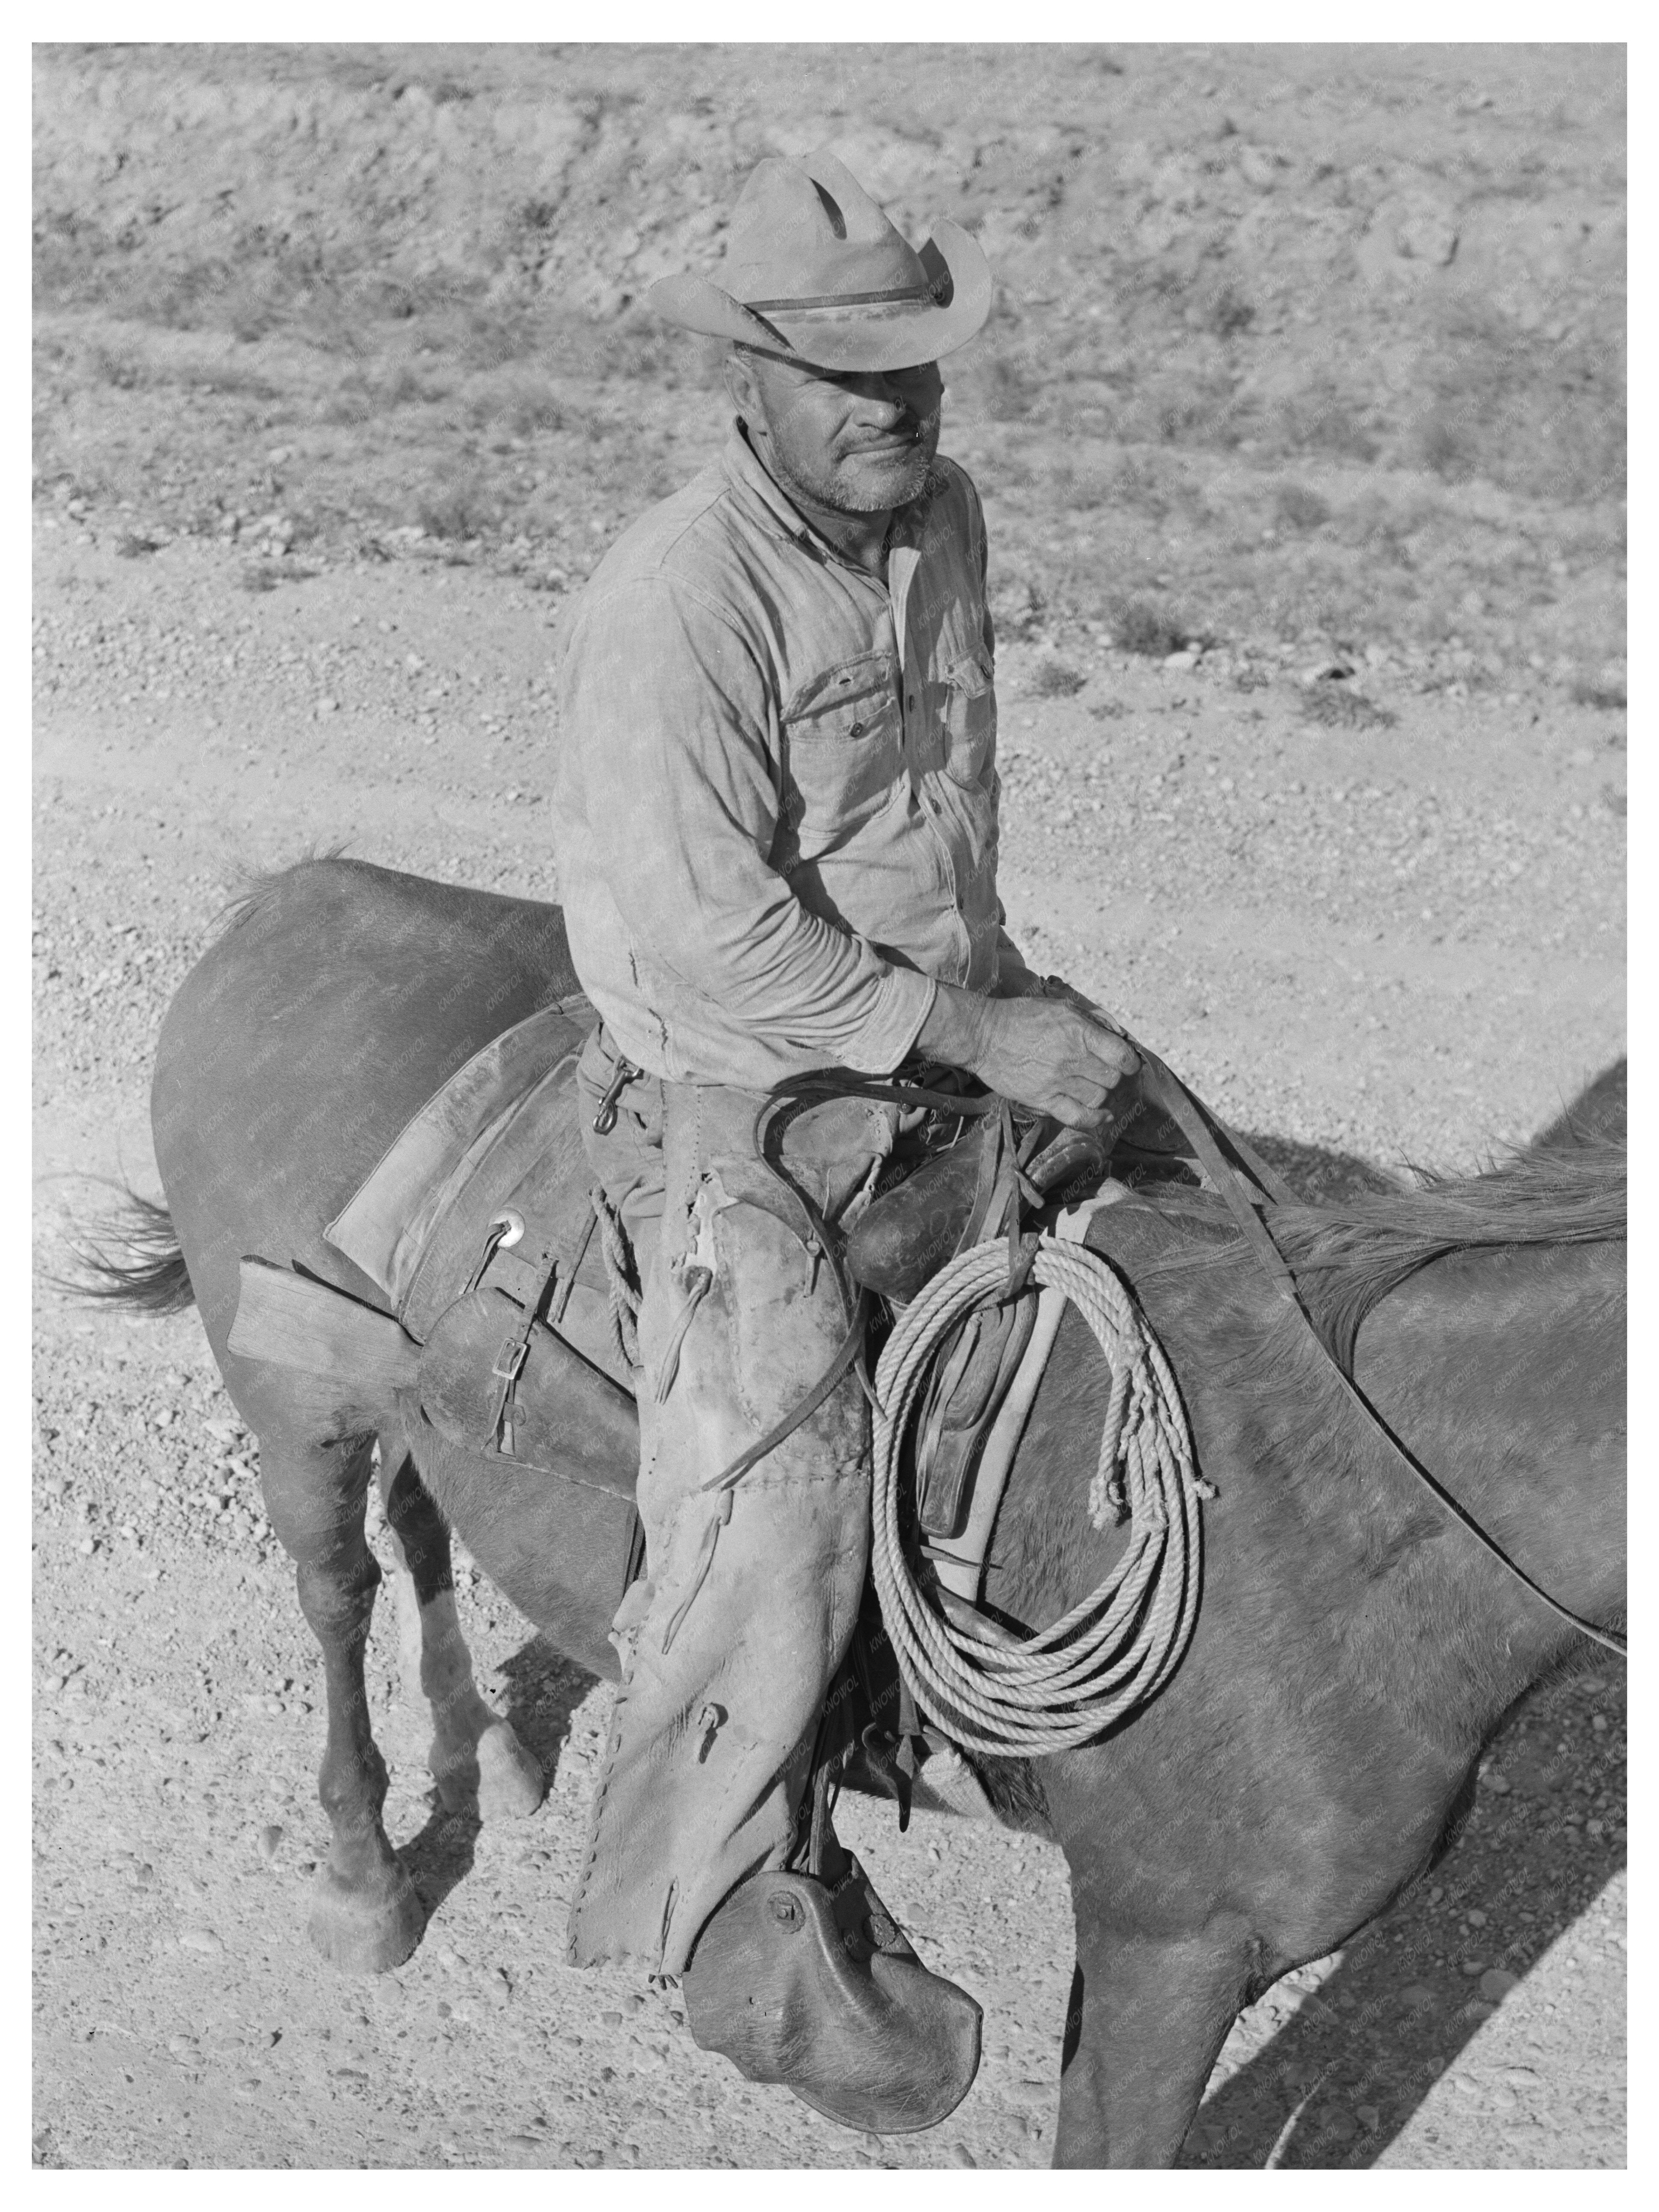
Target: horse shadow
point(544, 1691)
point(1318, 1175)
point(439, 1856)
point(1340, 2081)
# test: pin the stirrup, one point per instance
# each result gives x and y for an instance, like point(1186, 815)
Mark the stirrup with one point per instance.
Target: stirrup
point(799, 1981)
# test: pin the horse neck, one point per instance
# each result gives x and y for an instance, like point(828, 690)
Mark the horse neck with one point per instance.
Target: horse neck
point(1503, 1372)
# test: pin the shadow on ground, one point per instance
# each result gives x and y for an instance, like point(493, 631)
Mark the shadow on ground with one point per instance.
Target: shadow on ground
point(439, 1856)
point(1397, 2013)
point(1320, 1177)
point(545, 1689)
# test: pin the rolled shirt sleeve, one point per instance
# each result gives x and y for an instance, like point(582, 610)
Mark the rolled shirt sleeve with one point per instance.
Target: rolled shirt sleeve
point(669, 727)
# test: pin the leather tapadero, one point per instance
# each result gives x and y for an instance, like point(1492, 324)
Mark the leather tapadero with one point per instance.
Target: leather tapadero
point(797, 1983)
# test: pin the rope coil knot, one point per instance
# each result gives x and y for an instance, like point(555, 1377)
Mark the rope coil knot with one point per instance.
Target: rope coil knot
point(1061, 1686)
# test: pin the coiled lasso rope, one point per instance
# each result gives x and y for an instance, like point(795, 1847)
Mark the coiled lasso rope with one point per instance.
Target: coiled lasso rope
point(1061, 1686)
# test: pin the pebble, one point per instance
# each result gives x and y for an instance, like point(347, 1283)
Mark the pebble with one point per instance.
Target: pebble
point(1497, 1983)
point(268, 1839)
point(199, 1939)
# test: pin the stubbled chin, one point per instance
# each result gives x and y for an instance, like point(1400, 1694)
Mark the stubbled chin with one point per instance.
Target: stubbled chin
point(864, 486)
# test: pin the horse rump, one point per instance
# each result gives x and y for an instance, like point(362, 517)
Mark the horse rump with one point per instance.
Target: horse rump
point(131, 1258)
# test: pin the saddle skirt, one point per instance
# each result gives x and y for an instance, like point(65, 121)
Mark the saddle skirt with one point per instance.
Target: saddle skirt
point(498, 1144)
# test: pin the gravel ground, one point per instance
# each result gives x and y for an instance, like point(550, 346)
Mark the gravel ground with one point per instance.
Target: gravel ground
point(1369, 940)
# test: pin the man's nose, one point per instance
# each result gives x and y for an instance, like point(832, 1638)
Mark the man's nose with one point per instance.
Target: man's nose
point(909, 389)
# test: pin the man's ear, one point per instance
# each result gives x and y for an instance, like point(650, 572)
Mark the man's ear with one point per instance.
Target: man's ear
point(740, 384)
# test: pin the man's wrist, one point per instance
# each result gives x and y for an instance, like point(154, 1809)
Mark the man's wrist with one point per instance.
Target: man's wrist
point(954, 1032)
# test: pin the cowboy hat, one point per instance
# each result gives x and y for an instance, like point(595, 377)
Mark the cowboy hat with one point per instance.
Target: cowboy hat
point(815, 270)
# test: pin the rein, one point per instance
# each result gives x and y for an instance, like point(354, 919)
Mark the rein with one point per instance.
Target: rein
point(1162, 1088)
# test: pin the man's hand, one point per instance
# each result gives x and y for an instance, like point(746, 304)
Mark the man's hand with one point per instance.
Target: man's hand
point(1045, 1053)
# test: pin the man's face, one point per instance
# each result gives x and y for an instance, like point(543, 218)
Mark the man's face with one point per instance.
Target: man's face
point(854, 442)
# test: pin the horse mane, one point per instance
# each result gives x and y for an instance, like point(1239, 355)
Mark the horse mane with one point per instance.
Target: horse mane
point(1347, 1258)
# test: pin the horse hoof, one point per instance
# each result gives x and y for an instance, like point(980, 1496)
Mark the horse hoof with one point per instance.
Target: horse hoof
point(369, 1929)
point(511, 1785)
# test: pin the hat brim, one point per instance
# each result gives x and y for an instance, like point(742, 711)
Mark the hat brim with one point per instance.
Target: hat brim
point(855, 337)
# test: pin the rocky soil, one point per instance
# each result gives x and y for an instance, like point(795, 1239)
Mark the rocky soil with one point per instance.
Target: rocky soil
point(1362, 885)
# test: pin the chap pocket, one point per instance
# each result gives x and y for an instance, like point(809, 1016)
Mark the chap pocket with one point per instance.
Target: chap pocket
point(969, 714)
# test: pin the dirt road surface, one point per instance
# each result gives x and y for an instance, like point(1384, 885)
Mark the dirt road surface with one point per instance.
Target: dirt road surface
point(1299, 424)
point(1398, 943)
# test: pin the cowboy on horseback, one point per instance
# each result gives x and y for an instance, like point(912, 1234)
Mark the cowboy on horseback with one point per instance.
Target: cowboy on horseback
point(777, 834)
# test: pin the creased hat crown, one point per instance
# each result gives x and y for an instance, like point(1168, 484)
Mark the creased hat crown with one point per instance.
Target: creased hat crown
point(807, 229)
point(813, 268)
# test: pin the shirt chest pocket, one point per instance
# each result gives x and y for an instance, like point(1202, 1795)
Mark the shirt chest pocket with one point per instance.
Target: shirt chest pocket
point(967, 718)
point(843, 749)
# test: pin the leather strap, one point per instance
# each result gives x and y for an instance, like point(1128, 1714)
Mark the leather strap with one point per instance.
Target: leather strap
point(1163, 1089)
point(851, 1346)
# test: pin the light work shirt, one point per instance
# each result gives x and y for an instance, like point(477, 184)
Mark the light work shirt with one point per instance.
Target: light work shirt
point(776, 816)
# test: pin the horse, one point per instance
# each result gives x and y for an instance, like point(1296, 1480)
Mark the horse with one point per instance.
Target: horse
point(1357, 1646)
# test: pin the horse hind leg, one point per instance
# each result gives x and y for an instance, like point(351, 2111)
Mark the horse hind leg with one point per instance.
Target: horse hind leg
point(475, 1753)
point(365, 1916)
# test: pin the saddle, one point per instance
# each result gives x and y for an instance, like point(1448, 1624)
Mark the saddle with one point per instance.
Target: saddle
point(507, 1330)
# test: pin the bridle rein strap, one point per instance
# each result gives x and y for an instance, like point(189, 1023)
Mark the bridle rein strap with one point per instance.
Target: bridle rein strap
point(1163, 1089)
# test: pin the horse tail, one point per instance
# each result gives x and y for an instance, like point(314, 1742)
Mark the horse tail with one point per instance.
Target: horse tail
point(253, 889)
point(133, 1260)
